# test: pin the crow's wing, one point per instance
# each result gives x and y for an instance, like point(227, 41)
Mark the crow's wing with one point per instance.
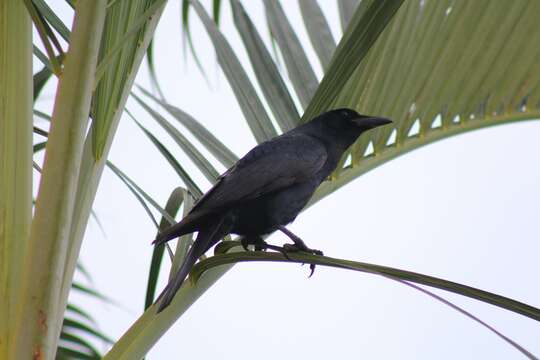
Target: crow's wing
point(271, 166)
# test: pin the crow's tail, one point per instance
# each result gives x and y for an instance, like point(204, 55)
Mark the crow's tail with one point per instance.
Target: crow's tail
point(207, 237)
point(186, 226)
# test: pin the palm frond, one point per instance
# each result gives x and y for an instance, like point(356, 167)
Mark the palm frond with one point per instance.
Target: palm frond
point(50, 16)
point(119, 50)
point(40, 79)
point(346, 10)
point(318, 30)
point(272, 84)
point(191, 151)
point(152, 69)
point(186, 37)
point(222, 153)
point(48, 37)
point(176, 198)
point(139, 194)
point(182, 173)
point(298, 66)
point(79, 330)
point(431, 73)
point(245, 93)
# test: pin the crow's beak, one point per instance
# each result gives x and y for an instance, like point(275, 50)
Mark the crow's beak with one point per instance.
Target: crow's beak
point(370, 122)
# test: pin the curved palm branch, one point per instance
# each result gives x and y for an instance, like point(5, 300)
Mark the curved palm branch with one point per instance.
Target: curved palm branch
point(438, 69)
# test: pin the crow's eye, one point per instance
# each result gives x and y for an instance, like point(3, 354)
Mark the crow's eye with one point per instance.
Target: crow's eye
point(345, 112)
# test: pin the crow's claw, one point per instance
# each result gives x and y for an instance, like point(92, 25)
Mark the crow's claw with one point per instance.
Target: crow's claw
point(297, 248)
point(312, 270)
point(301, 247)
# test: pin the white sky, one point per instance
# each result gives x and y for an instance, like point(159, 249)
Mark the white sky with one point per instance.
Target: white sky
point(464, 209)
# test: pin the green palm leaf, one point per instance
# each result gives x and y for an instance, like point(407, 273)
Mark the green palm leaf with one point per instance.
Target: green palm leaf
point(245, 93)
point(267, 73)
point(318, 30)
point(298, 66)
point(346, 10)
point(431, 73)
point(176, 198)
point(225, 156)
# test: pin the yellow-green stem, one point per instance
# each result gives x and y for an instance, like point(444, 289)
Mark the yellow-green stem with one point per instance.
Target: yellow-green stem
point(41, 309)
point(15, 156)
point(91, 169)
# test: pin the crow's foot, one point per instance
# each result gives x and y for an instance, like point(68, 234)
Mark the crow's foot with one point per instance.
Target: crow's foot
point(299, 244)
point(261, 245)
point(296, 248)
point(278, 249)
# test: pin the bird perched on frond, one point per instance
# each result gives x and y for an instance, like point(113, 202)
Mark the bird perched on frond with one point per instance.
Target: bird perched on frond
point(267, 188)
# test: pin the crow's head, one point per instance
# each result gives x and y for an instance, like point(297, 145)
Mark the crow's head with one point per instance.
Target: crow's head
point(349, 120)
point(341, 127)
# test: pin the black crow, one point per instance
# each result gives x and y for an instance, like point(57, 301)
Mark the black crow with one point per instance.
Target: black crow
point(267, 188)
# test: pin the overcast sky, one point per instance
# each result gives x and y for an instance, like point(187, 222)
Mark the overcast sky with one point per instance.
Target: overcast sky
point(465, 209)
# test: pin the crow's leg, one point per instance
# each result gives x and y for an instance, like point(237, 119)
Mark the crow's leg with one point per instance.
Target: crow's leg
point(254, 240)
point(261, 245)
point(299, 245)
point(250, 240)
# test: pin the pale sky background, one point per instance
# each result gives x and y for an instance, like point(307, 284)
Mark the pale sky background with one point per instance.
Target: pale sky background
point(465, 209)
